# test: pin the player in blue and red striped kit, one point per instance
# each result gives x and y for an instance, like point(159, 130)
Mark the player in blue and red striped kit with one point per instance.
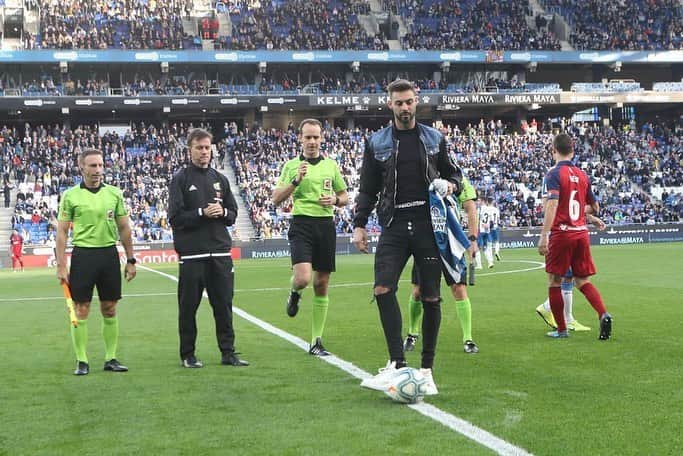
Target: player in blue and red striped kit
point(564, 237)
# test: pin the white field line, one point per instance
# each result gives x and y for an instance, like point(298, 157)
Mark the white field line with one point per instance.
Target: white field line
point(459, 425)
point(538, 264)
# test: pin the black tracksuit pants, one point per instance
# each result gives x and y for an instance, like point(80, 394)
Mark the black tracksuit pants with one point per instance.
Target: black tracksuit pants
point(216, 276)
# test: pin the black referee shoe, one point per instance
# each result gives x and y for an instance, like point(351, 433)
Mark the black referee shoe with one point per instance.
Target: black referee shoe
point(409, 344)
point(470, 347)
point(114, 366)
point(317, 349)
point(191, 362)
point(82, 368)
point(293, 303)
point(231, 359)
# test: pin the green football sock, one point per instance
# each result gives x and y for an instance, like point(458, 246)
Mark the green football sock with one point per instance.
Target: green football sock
point(79, 339)
point(320, 304)
point(414, 316)
point(464, 310)
point(110, 333)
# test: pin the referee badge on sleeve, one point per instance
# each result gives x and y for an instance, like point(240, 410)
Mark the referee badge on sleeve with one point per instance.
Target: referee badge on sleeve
point(110, 214)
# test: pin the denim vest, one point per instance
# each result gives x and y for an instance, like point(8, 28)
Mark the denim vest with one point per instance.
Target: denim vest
point(383, 143)
point(384, 148)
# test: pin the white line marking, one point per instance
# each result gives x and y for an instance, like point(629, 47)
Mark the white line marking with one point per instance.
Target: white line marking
point(459, 425)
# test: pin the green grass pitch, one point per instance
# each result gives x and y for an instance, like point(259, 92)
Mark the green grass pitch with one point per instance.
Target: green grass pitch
point(578, 396)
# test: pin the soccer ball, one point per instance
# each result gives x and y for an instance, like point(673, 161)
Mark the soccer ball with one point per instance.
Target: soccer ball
point(407, 386)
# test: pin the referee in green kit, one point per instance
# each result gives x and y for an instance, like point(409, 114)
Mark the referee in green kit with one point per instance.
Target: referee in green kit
point(316, 186)
point(97, 216)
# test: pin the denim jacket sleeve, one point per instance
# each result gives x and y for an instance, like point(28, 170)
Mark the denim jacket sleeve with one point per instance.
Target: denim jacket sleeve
point(370, 185)
point(448, 169)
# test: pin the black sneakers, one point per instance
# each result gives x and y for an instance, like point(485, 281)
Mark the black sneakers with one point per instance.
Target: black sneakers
point(114, 366)
point(317, 349)
point(605, 326)
point(293, 303)
point(82, 368)
point(470, 347)
point(409, 344)
point(191, 362)
point(231, 359)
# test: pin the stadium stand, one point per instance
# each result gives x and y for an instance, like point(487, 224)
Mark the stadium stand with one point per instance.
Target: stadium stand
point(470, 24)
point(298, 24)
point(123, 24)
point(632, 25)
point(628, 168)
point(335, 25)
point(508, 167)
point(43, 164)
point(625, 165)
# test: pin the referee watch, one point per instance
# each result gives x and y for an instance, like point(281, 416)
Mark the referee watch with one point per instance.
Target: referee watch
point(472, 237)
point(131, 261)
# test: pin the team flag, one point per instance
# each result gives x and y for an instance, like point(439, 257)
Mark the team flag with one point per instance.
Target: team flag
point(449, 235)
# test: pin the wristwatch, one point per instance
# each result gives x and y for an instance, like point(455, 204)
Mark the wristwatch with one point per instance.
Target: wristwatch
point(472, 237)
point(131, 261)
point(295, 182)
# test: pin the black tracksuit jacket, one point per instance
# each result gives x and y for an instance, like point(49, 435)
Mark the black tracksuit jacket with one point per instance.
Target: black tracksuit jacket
point(191, 190)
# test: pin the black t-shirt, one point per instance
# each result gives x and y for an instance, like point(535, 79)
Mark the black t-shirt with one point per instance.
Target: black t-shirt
point(411, 184)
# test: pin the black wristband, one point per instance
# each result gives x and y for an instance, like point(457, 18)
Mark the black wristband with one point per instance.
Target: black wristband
point(131, 261)
point(336, 200)
point(472, 237)
point(295, 182)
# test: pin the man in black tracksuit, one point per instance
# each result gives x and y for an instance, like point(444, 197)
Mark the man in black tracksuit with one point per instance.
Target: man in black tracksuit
point(399, 164)
point(201, 207)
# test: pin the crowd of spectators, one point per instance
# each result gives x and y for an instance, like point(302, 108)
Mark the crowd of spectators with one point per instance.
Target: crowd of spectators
point(169, 86)
point(137, 86)
point(258, 156)
point(104, 24)
point(46, 86)
point(320, 83)
point(470, 24)
point(627, 25)
point(300, 24)
point(506, 166)
point(625, 165)
point(335, 25)
point(41, 162)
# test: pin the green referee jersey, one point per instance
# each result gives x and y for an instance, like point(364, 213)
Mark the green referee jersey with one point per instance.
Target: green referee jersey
point(468, 193)
point(93, 214)
point(323, 178)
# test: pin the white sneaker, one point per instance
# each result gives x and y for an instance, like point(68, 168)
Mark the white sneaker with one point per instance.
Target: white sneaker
point(430, 389)
point(382, 380)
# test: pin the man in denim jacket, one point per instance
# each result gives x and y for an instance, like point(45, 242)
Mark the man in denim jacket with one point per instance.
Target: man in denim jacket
point(400, 163)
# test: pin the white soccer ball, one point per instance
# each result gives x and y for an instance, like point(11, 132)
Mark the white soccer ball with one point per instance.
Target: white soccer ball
point(407, 386)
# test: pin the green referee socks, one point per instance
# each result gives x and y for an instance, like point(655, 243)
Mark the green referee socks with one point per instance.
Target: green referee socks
point(320, 304)
point(464, 310)
point(110, 333)
point(414, 316)
point(79, 339)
